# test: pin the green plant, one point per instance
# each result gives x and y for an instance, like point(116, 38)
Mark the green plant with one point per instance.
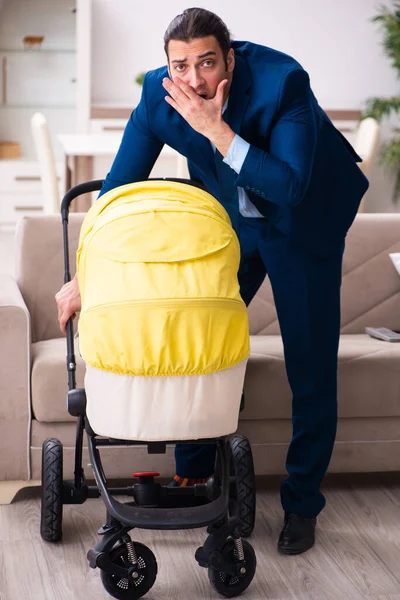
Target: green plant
point(379, 108)
point(139, 78)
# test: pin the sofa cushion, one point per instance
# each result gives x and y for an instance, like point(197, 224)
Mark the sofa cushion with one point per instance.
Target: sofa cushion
point(40, 268)
point(371, 286)
point(49, 380)
point(368, 378)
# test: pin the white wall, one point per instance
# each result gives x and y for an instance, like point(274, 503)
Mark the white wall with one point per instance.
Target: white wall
point(334, 40)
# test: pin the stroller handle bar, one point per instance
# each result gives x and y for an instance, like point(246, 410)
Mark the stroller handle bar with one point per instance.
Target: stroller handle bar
point(74, 192)
point(77, 190)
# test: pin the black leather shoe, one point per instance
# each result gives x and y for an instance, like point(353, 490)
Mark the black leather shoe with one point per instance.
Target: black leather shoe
point(297, 535)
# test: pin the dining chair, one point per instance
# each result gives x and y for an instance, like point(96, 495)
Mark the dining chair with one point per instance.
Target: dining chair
point(47, 163)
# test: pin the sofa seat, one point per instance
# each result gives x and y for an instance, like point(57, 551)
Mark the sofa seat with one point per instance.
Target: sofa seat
point(367, 436)
point(49, 379)
point(368, 379)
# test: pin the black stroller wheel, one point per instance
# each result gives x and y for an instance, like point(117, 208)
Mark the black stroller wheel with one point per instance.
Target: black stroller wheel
point(131, 589)
point(243, 493)
point(230, 585)
point(51, 494)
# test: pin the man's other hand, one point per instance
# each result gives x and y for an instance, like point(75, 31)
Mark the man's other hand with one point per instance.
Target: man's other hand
point(68, 302)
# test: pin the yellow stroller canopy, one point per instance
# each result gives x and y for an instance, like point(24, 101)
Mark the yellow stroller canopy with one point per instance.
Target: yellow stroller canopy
point(157, 267)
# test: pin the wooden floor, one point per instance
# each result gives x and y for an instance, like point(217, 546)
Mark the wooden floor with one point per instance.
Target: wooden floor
point(357, 554)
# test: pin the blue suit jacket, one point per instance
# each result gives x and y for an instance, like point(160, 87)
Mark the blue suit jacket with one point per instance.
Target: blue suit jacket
point(300, 171)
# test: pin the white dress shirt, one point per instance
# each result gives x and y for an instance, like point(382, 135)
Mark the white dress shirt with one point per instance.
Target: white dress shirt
point(235, 158)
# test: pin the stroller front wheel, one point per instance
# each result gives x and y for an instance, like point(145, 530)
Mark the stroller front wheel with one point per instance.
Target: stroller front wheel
point(228, 585)
point(128, 588)
point(51, 493)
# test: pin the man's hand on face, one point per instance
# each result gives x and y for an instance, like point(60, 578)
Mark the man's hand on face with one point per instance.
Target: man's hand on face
point(205, 116)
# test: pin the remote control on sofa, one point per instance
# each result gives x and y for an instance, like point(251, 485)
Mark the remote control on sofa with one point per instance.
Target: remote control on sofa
point(382, 333)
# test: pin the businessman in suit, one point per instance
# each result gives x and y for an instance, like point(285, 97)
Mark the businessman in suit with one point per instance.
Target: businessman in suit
point(254, 135)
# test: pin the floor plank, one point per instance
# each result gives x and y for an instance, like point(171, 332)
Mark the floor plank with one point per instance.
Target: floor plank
point(357, 554)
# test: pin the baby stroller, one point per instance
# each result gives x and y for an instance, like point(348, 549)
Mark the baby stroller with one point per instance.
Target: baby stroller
point(161, 400)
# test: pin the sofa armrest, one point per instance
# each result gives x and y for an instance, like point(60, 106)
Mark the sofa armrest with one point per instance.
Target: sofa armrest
point(15, 405)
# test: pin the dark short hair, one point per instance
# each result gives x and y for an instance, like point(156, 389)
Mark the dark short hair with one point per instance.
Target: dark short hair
point(197, 23)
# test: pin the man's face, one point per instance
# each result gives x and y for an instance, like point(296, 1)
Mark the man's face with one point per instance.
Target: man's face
point(200, 64)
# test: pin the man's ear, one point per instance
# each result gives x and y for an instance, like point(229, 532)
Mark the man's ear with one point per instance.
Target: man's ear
point(230, 59)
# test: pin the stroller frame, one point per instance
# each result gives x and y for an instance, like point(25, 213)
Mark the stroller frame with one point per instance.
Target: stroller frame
point(214, 505)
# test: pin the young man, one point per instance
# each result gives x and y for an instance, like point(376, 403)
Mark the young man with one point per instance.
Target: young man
point(246, 118)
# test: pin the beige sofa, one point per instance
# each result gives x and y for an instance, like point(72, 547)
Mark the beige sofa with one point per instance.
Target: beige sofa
point(33, 376)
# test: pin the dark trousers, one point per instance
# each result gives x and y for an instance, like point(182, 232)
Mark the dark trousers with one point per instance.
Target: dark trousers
point(306, 288)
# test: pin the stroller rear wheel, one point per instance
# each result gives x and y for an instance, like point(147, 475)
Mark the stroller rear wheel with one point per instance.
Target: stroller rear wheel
point(52, 482)
point(243, 493)
point(128, 588)
point(230, 585)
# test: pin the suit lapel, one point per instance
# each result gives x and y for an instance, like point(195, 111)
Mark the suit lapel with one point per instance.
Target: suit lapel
point(238, 96)
point(238, 100)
